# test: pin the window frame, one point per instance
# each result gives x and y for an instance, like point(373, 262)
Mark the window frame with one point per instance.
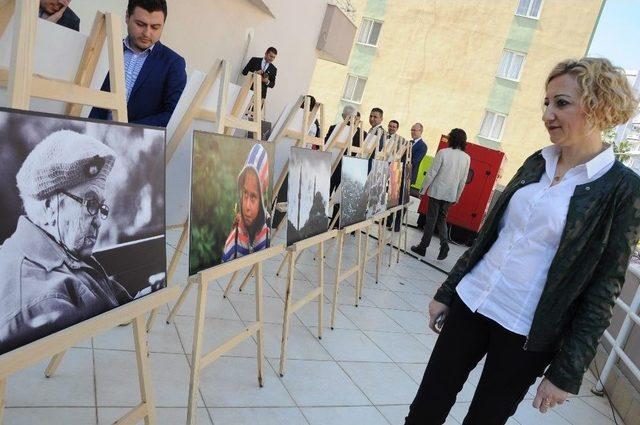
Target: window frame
point(373, 21)
point(358, 78)
point(527, 13)
point(513, 52)
point(495, 114)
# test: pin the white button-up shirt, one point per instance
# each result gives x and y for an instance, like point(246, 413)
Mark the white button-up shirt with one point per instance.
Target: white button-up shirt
point(506, 284)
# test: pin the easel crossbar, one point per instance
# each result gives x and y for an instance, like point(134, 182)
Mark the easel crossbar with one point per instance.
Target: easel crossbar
point(214, 355)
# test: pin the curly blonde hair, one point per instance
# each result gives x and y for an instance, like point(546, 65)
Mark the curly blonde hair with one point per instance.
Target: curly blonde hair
point(605, 93)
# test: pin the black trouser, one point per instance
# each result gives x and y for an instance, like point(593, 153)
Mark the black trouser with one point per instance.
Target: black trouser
point(436, 216)
point(508, 371)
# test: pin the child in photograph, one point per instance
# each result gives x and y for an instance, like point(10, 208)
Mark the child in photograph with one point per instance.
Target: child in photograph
point(250, 229)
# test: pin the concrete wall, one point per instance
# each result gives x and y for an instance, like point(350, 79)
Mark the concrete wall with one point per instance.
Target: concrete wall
point(436, 63)
point(203, 30)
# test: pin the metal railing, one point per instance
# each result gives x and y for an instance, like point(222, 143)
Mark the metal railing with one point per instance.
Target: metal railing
point(617, 344)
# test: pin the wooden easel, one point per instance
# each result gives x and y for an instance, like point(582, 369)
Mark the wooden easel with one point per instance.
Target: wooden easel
point(200, 361)
point(22, 84)
point(226, 123)
point(302, 138)
point(402, 242)
point(355, 269)
point(293, 252)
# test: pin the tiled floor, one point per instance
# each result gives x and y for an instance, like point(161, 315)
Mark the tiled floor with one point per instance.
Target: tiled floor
point(366, 371)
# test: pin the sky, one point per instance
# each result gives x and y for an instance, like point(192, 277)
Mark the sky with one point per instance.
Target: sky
point(617, 36)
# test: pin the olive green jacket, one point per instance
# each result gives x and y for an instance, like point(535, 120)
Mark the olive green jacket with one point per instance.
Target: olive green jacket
point(586, 274)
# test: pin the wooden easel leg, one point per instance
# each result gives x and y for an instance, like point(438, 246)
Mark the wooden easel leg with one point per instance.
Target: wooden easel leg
point(246, 278)
point(360, 269)
point(337, 279)
point(321, 296)
point(22, 57)
point(393, 223)
point(287, 308)
point(53, 364)
point(178, 305)
point(282, 263)
point(3, 389)
point(198, 329)
point(363, 262)
point(379, 248)
point(171, 270)
point(144, 370)
point(229, 284)
point(260, 320)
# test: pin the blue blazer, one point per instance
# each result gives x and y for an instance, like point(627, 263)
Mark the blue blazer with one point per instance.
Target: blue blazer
point(156, 91)
point(418, 151)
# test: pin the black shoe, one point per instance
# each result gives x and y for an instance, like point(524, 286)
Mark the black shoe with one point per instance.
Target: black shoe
point(444, 251)
point(419, 249)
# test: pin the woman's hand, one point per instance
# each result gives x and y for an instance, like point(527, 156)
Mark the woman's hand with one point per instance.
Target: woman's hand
point(548, 396)
point(436, 308)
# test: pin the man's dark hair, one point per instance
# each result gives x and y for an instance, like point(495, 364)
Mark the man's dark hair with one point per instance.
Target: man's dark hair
point(358, 114)
point(272, 50)
point(148, 5)
point(458, 139)
point(380, 111)
point(397, 123)
point(312, 102)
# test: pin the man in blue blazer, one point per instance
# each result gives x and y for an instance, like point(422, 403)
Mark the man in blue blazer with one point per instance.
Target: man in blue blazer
point(155, 75)
point(418, 150)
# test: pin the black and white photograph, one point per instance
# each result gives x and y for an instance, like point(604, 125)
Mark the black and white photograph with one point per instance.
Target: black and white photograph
point(353, 204)
point(376, 187)
point(82, 220)
point(308, 194)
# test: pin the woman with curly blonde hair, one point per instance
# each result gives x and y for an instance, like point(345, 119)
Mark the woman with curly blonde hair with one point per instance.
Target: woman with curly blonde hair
point(536, 291)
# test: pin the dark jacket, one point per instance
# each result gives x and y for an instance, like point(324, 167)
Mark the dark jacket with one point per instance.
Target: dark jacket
point(156, 91)
point(69, 19)
point(255, 64)
point(418, 151)
point(587, 271)
point(44, 290)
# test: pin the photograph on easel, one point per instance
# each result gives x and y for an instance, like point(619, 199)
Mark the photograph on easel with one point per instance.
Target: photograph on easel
point(406, 186)
point(376, 187)
point(308, 194)
point(395, 180)
point(231, 189)
point(82, 222)
point(353, 201)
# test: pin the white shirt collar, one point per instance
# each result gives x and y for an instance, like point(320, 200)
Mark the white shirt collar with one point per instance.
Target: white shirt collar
point(264, 64)
point(551, 154)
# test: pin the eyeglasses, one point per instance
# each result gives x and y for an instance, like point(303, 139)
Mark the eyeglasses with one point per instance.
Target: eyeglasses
point(93, 206)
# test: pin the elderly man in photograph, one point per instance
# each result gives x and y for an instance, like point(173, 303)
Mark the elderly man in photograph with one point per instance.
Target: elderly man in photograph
point(49, 279)
point(155, 75)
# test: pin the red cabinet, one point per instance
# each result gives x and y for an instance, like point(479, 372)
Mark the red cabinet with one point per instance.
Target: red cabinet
point(484, 173)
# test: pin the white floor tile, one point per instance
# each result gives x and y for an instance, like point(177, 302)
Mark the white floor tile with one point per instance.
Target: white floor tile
point(216, 332)
point(401, 347)
point(352, 345)
point(117, 379)
point(318, 383)
point(302, 344)
point(382, 383)
point(258, 416)
point(344, 415)
point(233, 382)
point(72, 384)
point(577, 411)
point(165, 415)
point(50, 415)
point(411, 321)
point(370, 319)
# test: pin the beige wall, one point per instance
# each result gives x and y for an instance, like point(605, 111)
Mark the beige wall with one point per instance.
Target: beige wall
point(203, 30)
point(436, 64)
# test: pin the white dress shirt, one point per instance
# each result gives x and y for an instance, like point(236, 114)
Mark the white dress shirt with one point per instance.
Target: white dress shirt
point(506, 284)
point(264, 65)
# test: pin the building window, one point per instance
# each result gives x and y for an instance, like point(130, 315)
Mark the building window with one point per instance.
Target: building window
point(369, 32)
point(354, 88)
point(529, 8)
point(492, 126)
point(511, 65)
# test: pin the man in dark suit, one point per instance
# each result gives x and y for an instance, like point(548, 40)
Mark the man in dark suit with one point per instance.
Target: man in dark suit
point(59, 12)
point(155, 75)
point(264, 67)
point(418, 152)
